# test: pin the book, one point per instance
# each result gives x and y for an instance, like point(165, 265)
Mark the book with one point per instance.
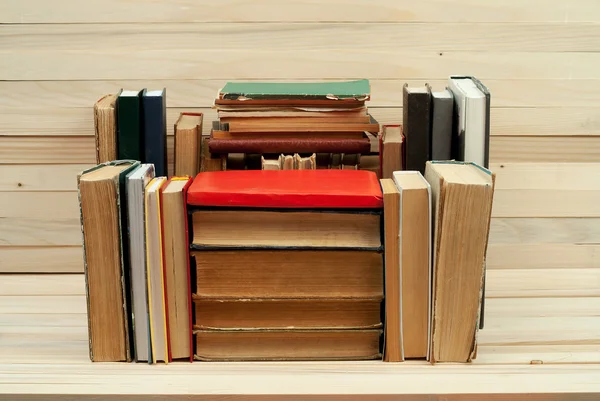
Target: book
point(392, 351)
point(305, 163)
point(136, 182)
point(462, 196)
point(289, 189)
point(298, 127)
point(157, 307)
point(274, 228)
point(257, 345)
point(287, 162)
point(214, 162)
point(130, 136)
point(154, 117)
point(416, 123)
point(258, 119)
point(415, 262)
point(272, 164)
point(289, 145)
point(105, 128)
point(304, 313)
point(350, 114)
point(188, 146)
point(391, 150)
point(441, 125)
point(101, 195)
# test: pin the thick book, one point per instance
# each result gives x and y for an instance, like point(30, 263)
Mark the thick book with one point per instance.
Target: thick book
point(415, 262)
point(188, 144)
point(344, 189)
point(289, 145)
point(136, 182)
point(176, 265)
point(462, 196)
point(213, 161)
point(416, 123)
point(102, 205)
point(237, 127)
point(391, 150)
point(130, 136)
point(105, 128)
point(154, 117)
point(441, 125)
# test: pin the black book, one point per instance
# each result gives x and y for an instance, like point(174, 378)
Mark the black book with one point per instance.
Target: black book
point(441, 126)
point(416, 123)
point(154, 113)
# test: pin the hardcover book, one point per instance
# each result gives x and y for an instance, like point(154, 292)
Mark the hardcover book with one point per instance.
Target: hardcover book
point(154, 115)
point(416, 123)
point(130, 137)
point(188, 144)
point(105, 127)
point(441, 125)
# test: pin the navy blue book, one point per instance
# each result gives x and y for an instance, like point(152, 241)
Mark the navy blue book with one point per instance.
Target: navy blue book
point(154, 119)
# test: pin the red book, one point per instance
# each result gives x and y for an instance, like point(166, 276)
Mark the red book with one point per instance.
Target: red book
point(289, 145)
point(311, 189)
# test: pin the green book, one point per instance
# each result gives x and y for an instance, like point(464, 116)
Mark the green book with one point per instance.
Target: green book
point(130, 139)
point(359, 90)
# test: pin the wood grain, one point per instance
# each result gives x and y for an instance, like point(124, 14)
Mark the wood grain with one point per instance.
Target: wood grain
point(542, 256)
point(113, 11)
point(545, 231)
point(41, 259)
point(48, 177)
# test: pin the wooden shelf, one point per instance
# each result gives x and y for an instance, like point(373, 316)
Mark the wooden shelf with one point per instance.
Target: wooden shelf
point(531, 348)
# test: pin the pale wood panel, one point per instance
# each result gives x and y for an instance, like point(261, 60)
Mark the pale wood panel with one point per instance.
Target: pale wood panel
point(44, 177)
point(581, 121)
point(36, 284)
point(545, 231)
point(511, 308)
point(49, 231)
point(309, 64)
point(45, 259)
point(80, 150)
point(72, 11)
point(44, 319)
point(547, 354)
point(531, 176)
point(43, 304)
point(281, 36)
point(542, 256)
point(384, 93)
point(546, 203)
point(539, 283)
point(55, 205)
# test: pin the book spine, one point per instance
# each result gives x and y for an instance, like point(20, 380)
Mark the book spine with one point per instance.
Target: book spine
point(155, 132)
point(292, 145)
point(441, 129)
point(417, 127)
point(129, 129)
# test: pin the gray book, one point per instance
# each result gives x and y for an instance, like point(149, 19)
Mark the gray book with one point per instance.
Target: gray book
point(441, 127)
point(136, 182)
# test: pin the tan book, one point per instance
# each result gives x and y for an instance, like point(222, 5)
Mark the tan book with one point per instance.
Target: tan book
point(105, 266)
point(288, 274)
point(175, 251)
point(305, 163)
point(246, 314)
point(415, 261)
point(393, 311)
point(391, 150)
point(257, 345)
point(105, 128)
point(288, 162)
point(188, 133)
point(462, 195)
point(271, 164)
point(213, 162)
point(243, 228)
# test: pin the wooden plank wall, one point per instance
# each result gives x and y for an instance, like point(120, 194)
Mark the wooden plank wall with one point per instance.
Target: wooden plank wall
point(539, 58)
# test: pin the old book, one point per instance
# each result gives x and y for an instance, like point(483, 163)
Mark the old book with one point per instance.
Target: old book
point(416, 123)
point(272, 164)
point(322, 160)
point(214, 162)
point(154, 119)
point(336, 161)
point(294, 118)
point(130, 136)
point(359, 114)
point(305, 163)
point(157, 306)
point(136, 182)
point(288, 274)
point(287, 163)
point(462, 195)
point(415, 262)
point(391, 154)
point(188, 146)
point(176, 265)
point(350, 161)
point(306, 313)
point(224, 134)
point(218, 228)
point(105, 128)
point(392, 351)
point(261, 126)
point(289, 145)
point(253, 161)
point(256, 345)
point(311, 189)
point(441, 125)
point(235, 161)
point(100, 191)
point(370, 163)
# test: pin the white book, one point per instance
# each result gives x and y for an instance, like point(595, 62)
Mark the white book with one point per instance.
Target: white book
point(471, 107)
point(156, 299)
point(136, 182)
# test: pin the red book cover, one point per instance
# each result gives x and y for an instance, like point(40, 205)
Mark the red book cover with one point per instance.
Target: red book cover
point(187, 246)
point(289, 145)
point(162, 236)
point(337, 189)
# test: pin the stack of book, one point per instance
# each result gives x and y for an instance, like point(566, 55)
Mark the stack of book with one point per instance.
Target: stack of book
point(282, 126)
point(132, 125)
point(136, 262)
point(288, 265)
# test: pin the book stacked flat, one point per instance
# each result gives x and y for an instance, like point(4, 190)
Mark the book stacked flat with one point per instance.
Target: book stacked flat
point(325, 125)
point(288, 265)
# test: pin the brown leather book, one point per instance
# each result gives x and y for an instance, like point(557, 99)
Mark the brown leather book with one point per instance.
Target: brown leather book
point(289, 145)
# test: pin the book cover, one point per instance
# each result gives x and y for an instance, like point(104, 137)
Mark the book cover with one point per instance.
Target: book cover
point(130, 141)
point(154, 117)
point(441, 125)
point(188, 144)
point(289, 145)
point(416, 122)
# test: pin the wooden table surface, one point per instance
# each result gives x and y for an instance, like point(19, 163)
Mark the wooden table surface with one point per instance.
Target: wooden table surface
point(531, 348)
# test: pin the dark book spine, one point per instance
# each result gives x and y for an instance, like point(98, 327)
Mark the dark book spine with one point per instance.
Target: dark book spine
point(441, 128)
point(289, 145)
point(129, 130)
point(417, 126)
point(154, 113)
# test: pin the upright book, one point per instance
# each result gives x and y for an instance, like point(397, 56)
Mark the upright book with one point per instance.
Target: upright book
point(188, 144)
point(130, 138)
point(391, 150)
point(105, 127)
point(101, 202)
point(441, 125)
point(154, 117)
point(416, 123)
